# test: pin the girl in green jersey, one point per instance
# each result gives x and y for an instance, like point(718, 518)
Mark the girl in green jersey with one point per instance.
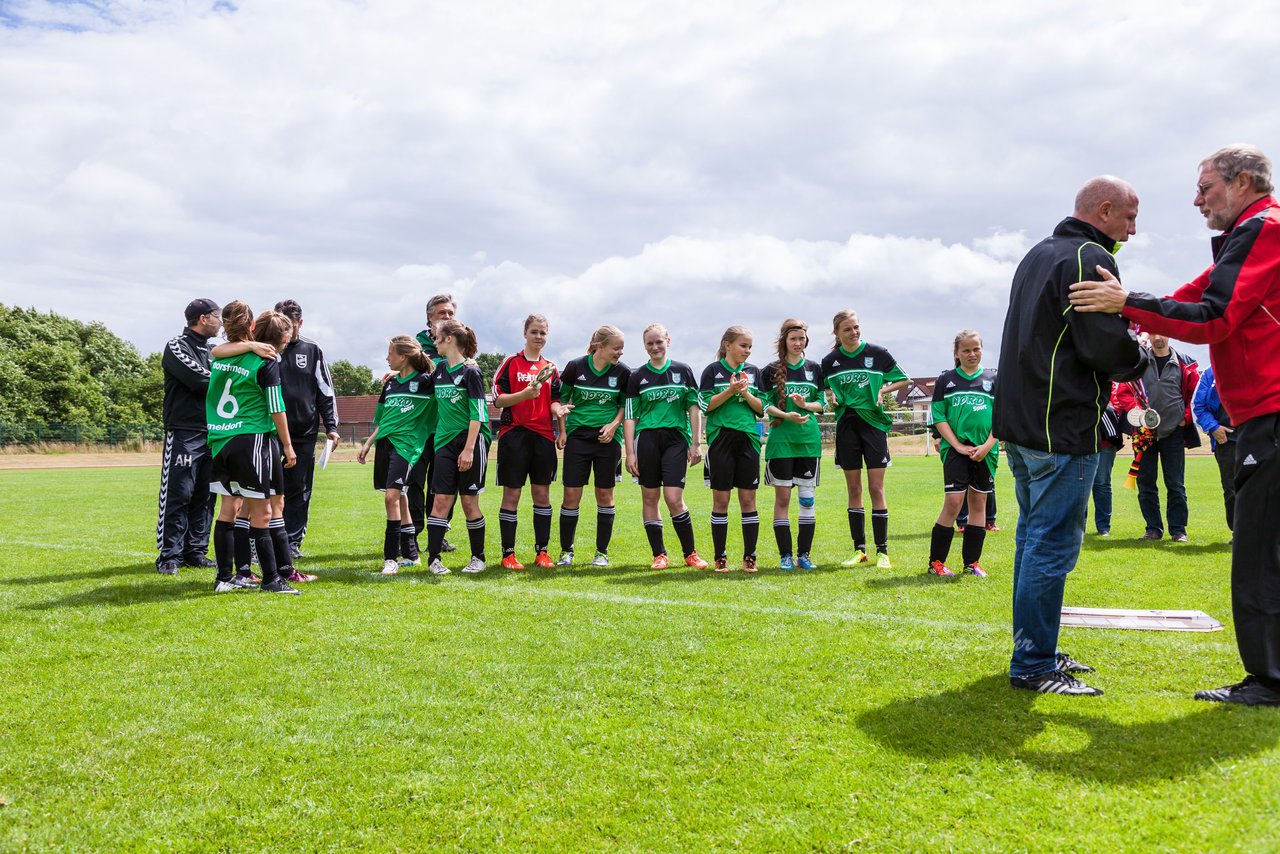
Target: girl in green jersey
point(793, 453)
point(400, 427)
point(731, 396)
point(662, 417)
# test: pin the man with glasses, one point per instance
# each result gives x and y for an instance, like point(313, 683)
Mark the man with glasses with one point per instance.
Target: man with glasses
point(1234, 307)
point(186, 505)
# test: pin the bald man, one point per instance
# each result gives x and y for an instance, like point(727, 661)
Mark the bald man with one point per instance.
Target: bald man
point(1055, 381)
point(1234, 307)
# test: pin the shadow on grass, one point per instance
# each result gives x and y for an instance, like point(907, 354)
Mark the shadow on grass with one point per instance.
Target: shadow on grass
point(989, 720)
point(147, 568)
point(1164, 548)
point(161, 589)
point(920, 579)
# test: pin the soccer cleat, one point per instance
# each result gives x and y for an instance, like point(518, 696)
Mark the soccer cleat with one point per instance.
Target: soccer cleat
point(544, 561)
point(859, 556)
point(992, 526)
point(1250, 692)
point(390, 567)
point(749, 564)
point(446, 546)
point(198, 561)
point(248, 575)
point(1180, 538)
point(601, 559)
point(805, 562)
point(226, 586)
point(975, 569)
point(882, 561)
point(695, 560)
point(475, 566)
point(722, 564)
point(960, 526)
point(278, 586)
point(660, 561)
point(404, 561)
point(244, 583)
point(295, 550)
point(1054, 682)
point(566, 558)
point(295, 577)
point(437, 568)
point(938, 568)
point(1067, 664)
point(785, 562)
point(510, 562)
point(167, 567)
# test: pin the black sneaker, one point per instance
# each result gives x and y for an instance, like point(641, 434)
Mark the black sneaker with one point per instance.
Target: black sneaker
point(277, 586)
point(295, 550)
point(198, 562)
point(1250, 692)
point(242, 582)
point(446, 546)
point(1067, 664)
point(1055, 682)
point(167, 567)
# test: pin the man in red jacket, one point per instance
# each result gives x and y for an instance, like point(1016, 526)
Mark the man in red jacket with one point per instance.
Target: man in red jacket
point(1234, 307)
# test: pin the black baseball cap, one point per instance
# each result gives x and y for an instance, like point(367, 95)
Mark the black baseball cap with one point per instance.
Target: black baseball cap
point(198, 307)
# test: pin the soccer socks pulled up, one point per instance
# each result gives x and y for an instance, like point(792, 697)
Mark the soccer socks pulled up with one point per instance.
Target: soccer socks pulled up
point(880, 529)
point(971, 544)
point(475, 532)
point(243, 554)
point(408, 542)
point(858, 528)
point(684, 530)
point(266, 553)
point(782, 534)
point(750, 533)
point(720, 533)
point(280, 542)
point(604, 528)
point(541, 527)
point(508, 520)
point(436, 528)
point(940, 542)
point(653, 530)
point(224, 546)
point(568, 528)
point(390, 540)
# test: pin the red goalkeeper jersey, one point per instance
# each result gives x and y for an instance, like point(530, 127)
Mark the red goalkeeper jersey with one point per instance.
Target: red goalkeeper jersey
point(514, 375)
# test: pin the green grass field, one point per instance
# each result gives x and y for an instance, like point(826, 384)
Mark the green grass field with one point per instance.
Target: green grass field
point(617, 708)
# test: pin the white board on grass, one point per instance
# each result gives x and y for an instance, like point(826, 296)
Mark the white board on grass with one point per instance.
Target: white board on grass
point(1156, 621)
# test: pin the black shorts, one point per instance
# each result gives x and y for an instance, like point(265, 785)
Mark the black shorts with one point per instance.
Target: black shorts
point(959, 473)
point(584, 454)
point(251, 465)
point(445, 477)
point(525, 455)
point(390, 470)
point(733, 462)
point(793, 471)
point(857, 441)
point(662, 457)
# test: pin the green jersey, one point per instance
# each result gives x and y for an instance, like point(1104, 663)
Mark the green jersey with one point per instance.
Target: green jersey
point(428, 344)
point(734, 413)
point(459, 401)
point(405, 414)
point(964, 403)
point(661, 397)
point(856, 379)
point(788, 440)
point(243, 393)
point(596, 395)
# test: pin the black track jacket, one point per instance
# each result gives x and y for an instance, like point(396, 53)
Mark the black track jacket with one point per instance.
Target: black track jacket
point(308, 391)
point(1056, 364)
point(185, 360)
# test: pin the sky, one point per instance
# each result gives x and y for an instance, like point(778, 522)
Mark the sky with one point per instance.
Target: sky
point(695, 164)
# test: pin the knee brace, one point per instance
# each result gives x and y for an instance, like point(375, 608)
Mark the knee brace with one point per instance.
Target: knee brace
point(807, 502)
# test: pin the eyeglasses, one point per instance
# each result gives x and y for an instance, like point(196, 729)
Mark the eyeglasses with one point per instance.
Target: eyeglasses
point(1201, 189)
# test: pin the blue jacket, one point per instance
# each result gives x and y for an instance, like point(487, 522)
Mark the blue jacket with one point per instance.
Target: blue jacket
point(1208, 409)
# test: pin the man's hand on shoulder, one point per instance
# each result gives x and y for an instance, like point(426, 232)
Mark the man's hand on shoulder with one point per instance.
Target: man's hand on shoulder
point(1107, 296)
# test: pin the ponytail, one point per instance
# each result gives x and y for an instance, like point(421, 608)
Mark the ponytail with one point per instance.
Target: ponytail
point(788, 326)
point(237, 320)
point(602, 336)
point(272, 327)
point(733, 333)
point(408, 347)
point(462, 336)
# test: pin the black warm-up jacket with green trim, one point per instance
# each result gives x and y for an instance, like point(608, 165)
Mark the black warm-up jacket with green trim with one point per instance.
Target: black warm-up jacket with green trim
point(1056, 364)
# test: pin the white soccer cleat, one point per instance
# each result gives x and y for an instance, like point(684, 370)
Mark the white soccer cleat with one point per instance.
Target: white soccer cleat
point(390, 567)
point(474, 566)
point(601, 559)
point(437, 568)
point(566, 559)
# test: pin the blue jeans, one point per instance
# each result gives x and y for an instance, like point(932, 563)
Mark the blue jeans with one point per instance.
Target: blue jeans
point(1053, 498)
point(1168, 454)
point(1102, 490)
